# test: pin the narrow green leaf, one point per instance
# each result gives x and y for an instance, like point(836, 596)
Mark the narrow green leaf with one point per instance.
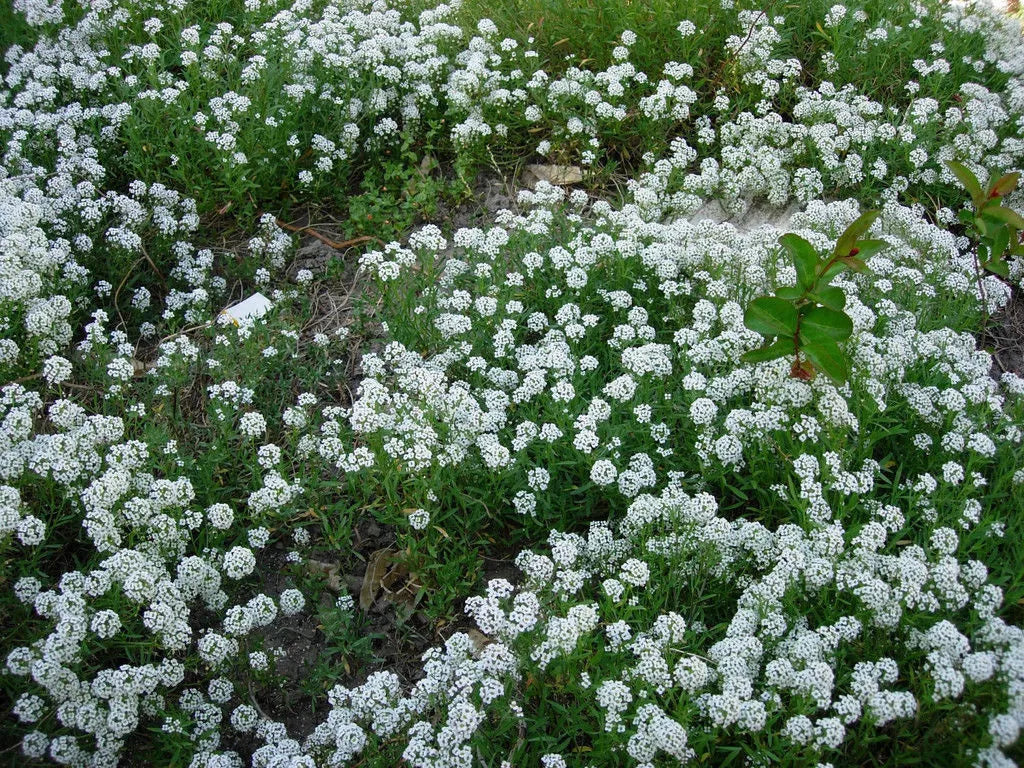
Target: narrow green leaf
point(774, 351)
point(854, 232)
point(824, 323)
point(789, 292)
point(854, 263)
point(771, 316)
point(1006, 216)
point(1005, 185)
point(830, 296)
point(829, 359)
point(968, 180)
point(805, 258)
point(844, 263)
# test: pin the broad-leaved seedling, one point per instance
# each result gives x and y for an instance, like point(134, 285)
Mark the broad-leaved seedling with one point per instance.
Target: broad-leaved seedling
point(997, 226)
point(807, 320)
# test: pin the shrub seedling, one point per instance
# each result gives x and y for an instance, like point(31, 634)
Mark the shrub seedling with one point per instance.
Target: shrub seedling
point(997, 226)
point(807, 320)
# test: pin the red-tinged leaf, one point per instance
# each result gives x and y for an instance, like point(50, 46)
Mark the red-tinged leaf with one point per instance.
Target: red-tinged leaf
point(802, 369)
point(868, 248)
point(857, 265)
point(1004, 185)
point(968, 180)
point(376, 569)
point(854, 232)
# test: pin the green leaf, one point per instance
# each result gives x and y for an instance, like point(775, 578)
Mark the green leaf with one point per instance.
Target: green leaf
point(868, 248)
point(1005, 185)
point(789, 292)
point(822, 323)
point(998, 267)
point(829, 359)
point(771, 316)
point(1006, 216)
point(831, 297)
point(805, 258)
point(1000, 242)
point(854, 232)
point(854, 263)
point(966, 217)
point(968, 180)
point(844, 263)
point(780, 348)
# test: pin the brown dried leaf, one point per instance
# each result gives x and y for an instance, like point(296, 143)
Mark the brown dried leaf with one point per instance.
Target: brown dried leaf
point(480, 640)
point(559, 175)
point(394, 576)
point(329, 570)
point(376, 568)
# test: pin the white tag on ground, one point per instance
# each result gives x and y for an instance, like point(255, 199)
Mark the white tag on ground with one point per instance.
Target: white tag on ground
point(255, 306)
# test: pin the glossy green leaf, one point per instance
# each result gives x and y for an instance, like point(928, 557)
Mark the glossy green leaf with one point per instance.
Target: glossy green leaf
point(968, 180)
point(998, 267)
point(789, 292)
point(848, 240)
point(830, 296)
point(771, 316)
point(780, 348)
point(829, 359)
point(805, 258)
point(1000, 242)
point(966, 217)
point(819, 323)
point(1006, 216)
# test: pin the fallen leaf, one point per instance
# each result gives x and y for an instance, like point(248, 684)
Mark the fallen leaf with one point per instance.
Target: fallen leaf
point(559, 175)
point(329, 570)
point(480, 640)
point(376, 568)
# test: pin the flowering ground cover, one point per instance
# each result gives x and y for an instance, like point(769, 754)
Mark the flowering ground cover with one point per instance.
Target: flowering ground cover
point(571, 476)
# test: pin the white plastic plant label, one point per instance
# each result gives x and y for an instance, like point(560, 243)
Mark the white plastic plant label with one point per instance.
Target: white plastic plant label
point(255, 306)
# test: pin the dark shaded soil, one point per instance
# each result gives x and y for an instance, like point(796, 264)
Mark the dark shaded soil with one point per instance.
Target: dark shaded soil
point(399, 637)
point(1004, 337)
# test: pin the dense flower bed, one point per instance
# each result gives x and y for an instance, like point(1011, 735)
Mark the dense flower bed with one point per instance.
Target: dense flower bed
point(723, 562)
